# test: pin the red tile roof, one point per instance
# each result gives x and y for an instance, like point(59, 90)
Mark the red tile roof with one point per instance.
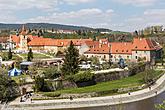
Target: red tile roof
point(145, 44)
point(121, 48)
point(56, 42)
point(102, 49)
point(141, 44)
point(15, 39)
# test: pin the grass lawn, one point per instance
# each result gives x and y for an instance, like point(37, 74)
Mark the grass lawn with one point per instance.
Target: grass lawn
point(17, 79)
point(35, 55)
point(128, 82)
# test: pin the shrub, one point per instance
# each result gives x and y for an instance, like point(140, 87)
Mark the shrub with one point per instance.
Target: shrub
point(41, 84)
point(83, 77)
point(52, 94)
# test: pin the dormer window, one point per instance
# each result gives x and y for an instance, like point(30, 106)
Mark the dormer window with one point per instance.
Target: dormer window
point(136, 47)
point(145, 47)
point(127, 51)
point(122, 50)
point(116, 50)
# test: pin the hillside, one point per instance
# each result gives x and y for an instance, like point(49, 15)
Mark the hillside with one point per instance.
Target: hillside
point(43, 26)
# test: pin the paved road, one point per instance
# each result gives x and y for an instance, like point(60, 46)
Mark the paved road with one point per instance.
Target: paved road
point(158, 88)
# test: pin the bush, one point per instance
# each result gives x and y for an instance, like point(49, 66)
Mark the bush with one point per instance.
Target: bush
point(51, 73)
point(52, 94)
point(83, 77)
point(41, 84)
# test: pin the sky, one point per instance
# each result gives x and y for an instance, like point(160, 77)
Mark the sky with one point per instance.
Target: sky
point(123, 15)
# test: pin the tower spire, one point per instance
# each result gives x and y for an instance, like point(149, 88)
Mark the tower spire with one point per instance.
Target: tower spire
point(23, 30)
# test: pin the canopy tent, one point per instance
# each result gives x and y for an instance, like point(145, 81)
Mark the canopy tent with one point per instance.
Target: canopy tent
point(14, 72)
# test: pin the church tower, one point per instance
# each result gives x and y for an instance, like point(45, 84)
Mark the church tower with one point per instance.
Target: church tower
point(23, 38)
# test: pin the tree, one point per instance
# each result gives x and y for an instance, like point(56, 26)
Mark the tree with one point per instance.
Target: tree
point(71, 61)
point(10, 54)
point(30, 55)
point(41, 84)
point(8, 87)
point(1, 47)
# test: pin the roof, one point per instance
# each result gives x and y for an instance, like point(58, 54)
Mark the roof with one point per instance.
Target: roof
point(145, 44)
point(141, 44)
point(15, 38)
point(121, 47)
point(102, 49)
point(92, 43)
point(56, 42)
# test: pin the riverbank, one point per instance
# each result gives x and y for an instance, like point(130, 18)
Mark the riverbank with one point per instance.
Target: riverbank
point(156, 89)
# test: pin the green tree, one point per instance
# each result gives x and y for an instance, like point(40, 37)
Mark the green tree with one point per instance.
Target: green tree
point(71, 61)
point(8, 87)
point(51, 72)
point(10, 54)
point(41, 84)
point(1, 47)
point(95, 60)
point(30, 55)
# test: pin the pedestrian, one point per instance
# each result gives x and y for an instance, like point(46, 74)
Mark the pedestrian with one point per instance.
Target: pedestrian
point(129, 93)
point(149, 87)
point(156, 92)
point(31, 100)
point(21, 99)
point(71, 98)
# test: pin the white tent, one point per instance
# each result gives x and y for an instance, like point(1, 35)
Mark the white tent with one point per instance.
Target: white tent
point(14, 72)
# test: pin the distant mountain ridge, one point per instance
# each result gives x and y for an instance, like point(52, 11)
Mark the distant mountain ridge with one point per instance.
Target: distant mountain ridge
point(43, 26)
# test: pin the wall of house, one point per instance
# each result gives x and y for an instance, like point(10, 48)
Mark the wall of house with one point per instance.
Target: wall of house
point(141, 54)
point(116, 57)
point(23, 42)
point(83, 48)
point(37, 48)
point(53, 49)
point(100, 56)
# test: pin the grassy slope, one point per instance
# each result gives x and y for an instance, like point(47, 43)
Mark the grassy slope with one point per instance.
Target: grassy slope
point(35, 55)
point(132, 81)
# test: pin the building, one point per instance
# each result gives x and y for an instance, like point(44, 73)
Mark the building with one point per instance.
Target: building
point(21, 40)
point(4, 42)
point(100, 49)
point(55, 45)
point(140, 49)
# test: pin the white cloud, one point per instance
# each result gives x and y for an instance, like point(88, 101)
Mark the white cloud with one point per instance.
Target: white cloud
point(88, 17)
point(150, 17)
point(27, 4)
point(72, 2)
point(137, 2)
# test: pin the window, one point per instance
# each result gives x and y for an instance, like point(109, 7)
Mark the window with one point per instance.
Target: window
point(136, 57)
point(136, 52)
point(105, 56)
point(127, 57)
